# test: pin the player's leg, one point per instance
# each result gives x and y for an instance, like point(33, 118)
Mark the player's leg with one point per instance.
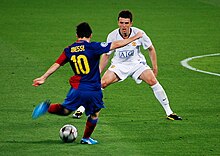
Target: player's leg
point(46, 106)
point(89, 128)
point(58, 109)
point(159, 93)
point(93, 104)
point(158, 90)
point(70, 103)
point(108, 78)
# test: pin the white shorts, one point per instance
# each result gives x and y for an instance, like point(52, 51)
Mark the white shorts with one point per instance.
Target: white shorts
point(133, 70)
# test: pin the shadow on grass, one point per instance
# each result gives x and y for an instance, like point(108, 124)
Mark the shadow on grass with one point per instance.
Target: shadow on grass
point(46, 142)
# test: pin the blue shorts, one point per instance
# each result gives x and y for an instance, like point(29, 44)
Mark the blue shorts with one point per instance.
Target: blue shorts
point(91, 100)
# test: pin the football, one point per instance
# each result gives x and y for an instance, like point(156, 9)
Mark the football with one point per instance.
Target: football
point(68, 133)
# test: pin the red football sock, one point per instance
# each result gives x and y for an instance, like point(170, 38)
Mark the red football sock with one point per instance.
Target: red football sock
point(90, 126)
point(56, 109)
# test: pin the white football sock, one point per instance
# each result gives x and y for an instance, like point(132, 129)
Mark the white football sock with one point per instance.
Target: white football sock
point(162, 97)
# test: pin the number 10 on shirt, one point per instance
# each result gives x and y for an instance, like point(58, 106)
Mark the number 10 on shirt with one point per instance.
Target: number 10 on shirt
point(80, 62)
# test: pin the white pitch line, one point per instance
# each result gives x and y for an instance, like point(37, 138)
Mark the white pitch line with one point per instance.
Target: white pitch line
point(184, 63)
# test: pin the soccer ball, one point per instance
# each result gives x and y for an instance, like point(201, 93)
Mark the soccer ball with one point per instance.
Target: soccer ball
point(68, 133)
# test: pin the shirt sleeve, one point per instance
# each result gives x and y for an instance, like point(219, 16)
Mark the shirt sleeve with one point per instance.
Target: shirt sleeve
point(145, 40)
point(62, 59)
point(101, 47)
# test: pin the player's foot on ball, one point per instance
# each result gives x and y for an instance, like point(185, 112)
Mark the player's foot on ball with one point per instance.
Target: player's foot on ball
point(77, 114)
point(174, 117)
point(40, 109)
point(89, 141)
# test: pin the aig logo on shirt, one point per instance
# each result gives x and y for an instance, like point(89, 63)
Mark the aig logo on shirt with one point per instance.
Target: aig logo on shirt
point(124, 54)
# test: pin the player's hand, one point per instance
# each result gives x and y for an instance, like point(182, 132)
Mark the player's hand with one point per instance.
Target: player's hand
point(38, 81)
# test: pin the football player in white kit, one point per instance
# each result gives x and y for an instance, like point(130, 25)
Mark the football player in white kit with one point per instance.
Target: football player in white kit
point(128, 61)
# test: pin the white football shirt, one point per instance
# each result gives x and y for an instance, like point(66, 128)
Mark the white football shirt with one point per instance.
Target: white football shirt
point(131, 52)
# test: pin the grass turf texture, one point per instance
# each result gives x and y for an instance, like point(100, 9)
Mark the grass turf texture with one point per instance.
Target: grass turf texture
point(34, 33)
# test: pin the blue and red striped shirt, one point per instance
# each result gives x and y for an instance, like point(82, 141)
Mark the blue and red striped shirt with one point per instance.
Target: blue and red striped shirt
point(84, 59)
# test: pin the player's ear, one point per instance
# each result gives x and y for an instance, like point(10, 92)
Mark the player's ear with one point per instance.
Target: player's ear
point(90, 36)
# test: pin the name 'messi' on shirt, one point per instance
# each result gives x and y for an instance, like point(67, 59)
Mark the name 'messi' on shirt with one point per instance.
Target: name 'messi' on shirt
point(77, 48)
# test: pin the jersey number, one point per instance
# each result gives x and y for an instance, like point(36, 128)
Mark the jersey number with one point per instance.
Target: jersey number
point(80, 62)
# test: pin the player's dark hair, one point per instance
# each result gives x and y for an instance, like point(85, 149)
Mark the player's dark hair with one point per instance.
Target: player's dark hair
point(83, 30)
point(125, 14)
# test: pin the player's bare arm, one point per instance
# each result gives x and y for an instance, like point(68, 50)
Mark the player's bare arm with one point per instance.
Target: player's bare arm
point(153, 57)
point(103, 62)
point(121, 43)
point(41, 80)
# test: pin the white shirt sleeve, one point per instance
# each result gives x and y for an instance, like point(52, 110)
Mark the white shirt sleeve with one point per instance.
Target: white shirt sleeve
point(145, 40)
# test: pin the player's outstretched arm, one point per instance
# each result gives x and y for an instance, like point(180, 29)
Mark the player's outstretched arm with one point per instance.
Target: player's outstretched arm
point(103, 62)
point(42, 79)
point(121, 43)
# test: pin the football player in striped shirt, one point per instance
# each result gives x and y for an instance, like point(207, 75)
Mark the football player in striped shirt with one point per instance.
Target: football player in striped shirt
point(83, 57)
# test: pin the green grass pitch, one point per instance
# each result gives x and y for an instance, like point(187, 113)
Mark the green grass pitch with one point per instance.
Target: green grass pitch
point(34, 33)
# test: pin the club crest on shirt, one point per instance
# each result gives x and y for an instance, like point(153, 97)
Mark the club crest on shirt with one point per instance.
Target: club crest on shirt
point(104, 44)
point(113, 66)
point(134, 44)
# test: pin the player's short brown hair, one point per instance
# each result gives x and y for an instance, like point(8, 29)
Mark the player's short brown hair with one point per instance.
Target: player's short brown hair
point(125, 14)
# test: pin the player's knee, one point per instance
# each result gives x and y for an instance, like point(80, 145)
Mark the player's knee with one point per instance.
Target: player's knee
point(152, 82)
point(66, 112)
